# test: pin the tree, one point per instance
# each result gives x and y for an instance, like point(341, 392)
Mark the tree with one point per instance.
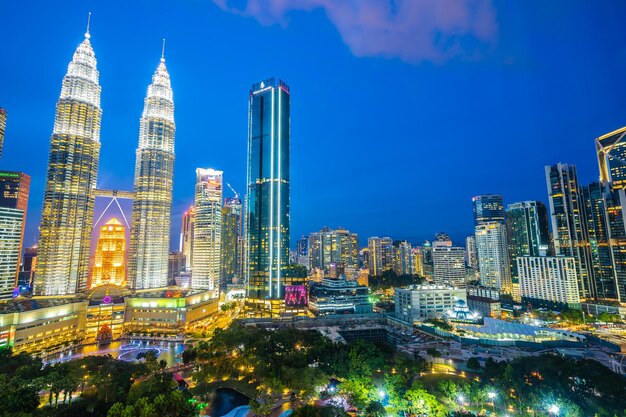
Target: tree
point(375, 409)
point(473, 363)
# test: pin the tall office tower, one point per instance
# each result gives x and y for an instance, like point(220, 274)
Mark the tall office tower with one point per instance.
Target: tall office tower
point(488, 208)
point(594, 199)
point(14, 188)
point(175, 265)
point(548, 281)
point(68, 202)
point(267, 198)
point(417, 258)
point(493, 256)
point(186, 236)
point(328, 246)
point(11, 224)
point(109, 263)
point(449, 265)
point(611, 150)
point(427, 259)
point(302, 247)
point(471, 256)
point(615, 201)
point(29, 265)
point(154, 171)
point(402, 262)
point(364, 255)
point(380, 254)
point(231, 240)
point(3, 125)
point(207, 231)
point(569, 225)
point(527, 229)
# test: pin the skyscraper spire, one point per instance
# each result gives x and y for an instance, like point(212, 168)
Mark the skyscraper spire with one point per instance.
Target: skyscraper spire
point(87, 35)
point(163, 51)
point(68, 206)
point(154, 171)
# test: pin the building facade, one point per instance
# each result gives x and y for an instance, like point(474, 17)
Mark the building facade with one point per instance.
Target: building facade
point(493, 256)
point(471, 256)
point(328, 246)
point(380, 254)
point(232, 241)
point(3, 125)
point(402, 257)
point(422, 302)
point(338, 296)
point(186, 236)
point(207, 232)
point(548, 281)
point(154, 172)
point(109, 263)
point(449, 266)
point(611, 149)
point(488, 208)
point(569, 225)
point(68, 202)
point(267, 197)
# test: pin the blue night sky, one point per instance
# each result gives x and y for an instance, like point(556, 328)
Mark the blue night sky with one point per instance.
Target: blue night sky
point(401, 110)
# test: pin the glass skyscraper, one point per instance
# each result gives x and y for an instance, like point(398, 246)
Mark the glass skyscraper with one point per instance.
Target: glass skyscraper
point(569, 223)
point(267, 197)
point(3, 125)
point(611, 150)
point(68, 203)
point(231, 241)
point(154, 172)
point(488, 208)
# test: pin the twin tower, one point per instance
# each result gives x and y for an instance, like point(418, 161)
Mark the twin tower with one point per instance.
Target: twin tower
point(68, 207)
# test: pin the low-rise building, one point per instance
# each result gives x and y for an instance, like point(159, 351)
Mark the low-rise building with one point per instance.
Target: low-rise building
point(421, 302)
point(338, 296)
point(485, 306)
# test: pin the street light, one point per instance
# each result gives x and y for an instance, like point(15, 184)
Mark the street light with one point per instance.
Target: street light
point(554, 409)
point(381, 394)
point(492, 397)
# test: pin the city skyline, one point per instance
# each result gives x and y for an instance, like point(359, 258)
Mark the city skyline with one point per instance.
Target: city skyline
point(526, 182)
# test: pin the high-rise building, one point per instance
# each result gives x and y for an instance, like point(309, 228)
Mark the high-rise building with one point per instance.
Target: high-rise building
point(186, 236)
point(302, 247)
point(328, 246)
point(109, 266)
point(176, 265)
point(14, 191)
point(380, 254)
point(267, 198)
point(3, 125)
point(569, 225)
point(449, 266)
point(231, 240)
point(471, 256)
point(611, 150)
point(594, 200)
point(154, 172)
point(615, 203)
point(68, 202)
point(402, 262)
point(29, 266)
point(488, 208)
point(11, 221)
point(417, 258)
point(207, 231)
point(493, 256)
point(548, 281)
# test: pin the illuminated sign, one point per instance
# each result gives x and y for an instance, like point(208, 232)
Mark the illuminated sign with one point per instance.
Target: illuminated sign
point(295, 296)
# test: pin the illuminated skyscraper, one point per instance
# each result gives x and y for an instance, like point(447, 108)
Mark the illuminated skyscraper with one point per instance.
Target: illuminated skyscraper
point(267, 198)
point(68, 203)
point(154, 172)
point(207, 230)
point(488, 208)
point(3, 125)
point(231, 240)
point(569, 224)
point(14, 189)
point(109, 265)
point(328, 246)
point(611, 150)
point(186, 236)
point(471, 257)
point(380, 254)
point(493, 256)
point(401, 254)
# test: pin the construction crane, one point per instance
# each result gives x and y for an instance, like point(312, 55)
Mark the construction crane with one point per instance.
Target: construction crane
point(233, 190)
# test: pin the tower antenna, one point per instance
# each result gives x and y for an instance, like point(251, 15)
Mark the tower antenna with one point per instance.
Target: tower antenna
point(87, 35)
point(163, 51)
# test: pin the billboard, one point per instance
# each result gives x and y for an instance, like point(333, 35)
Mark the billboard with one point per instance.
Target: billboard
point(295, 296)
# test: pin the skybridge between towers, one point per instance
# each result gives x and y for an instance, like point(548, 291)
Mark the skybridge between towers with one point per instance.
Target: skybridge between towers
point(114, 195)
